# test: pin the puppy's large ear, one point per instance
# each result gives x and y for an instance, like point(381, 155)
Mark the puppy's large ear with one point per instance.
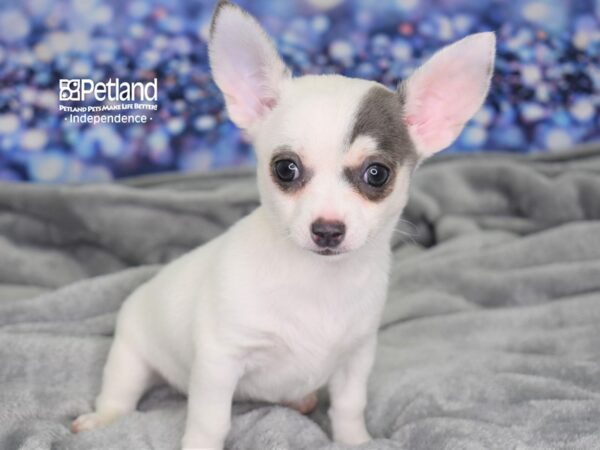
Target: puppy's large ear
point(245, 64)
point(444, 93)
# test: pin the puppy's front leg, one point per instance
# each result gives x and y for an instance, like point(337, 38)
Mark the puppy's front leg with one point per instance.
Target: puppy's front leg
point(213, 380)
point(348, 392)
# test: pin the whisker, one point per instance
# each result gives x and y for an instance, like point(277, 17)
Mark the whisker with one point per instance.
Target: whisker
point(408, 234)
point(408, 222)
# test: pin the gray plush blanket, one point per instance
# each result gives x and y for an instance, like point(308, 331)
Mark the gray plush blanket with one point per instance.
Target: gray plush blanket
point(490, 340)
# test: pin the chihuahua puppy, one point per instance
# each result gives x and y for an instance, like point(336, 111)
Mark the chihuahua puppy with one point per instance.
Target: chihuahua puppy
point(290, 298)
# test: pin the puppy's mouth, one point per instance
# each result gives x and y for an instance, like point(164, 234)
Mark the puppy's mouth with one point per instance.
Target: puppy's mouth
point(329, 252)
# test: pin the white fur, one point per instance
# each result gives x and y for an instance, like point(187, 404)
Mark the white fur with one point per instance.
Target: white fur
point(256, 313)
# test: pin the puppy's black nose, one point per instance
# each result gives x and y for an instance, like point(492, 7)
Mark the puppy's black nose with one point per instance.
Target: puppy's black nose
point(327, 233)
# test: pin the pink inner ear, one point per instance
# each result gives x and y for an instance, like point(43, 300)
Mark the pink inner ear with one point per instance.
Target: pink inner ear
point(444, 94)
point(246, 109)
point(439, 113)
point(247, 95)
point(269, 103)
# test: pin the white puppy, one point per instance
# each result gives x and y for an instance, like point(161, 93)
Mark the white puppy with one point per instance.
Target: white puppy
point(289, 299)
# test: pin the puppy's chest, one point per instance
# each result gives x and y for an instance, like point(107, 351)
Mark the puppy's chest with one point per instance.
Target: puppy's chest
point(318, 315)
point(297, 343)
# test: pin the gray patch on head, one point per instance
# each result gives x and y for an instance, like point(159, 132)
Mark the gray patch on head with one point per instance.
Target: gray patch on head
point(380, 117)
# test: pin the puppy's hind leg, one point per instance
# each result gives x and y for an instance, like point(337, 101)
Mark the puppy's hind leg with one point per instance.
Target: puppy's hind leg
point(126, 377)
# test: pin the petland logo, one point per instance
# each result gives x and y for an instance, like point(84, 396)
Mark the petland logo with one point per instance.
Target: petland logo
point(78, 90)
point(108, 97)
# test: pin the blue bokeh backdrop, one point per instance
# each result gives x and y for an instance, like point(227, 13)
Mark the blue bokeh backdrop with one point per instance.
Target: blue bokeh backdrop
point(545, 93)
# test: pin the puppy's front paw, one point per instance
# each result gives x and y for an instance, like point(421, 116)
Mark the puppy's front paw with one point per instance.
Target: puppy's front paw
point(201, 448)
point(90, 421)
point(201, 443)
point(350, 431)
point(356, 437)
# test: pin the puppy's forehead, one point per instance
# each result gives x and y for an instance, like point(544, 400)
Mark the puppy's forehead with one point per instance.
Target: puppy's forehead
point(316, 113)
point(379, 116)
point(324, 116)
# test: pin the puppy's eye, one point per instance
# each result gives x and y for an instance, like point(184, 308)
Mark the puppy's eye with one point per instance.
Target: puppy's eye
point(376, 175)
point(286, 170)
